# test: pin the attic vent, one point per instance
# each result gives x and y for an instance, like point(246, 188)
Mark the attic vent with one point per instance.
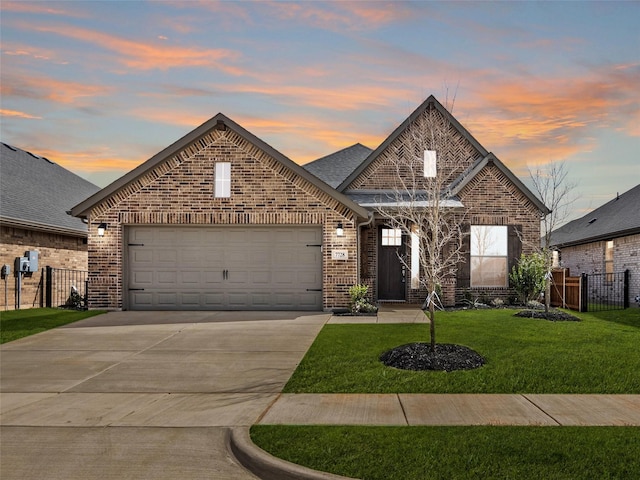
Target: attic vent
point(34, 156)
point(9, 147)
point(592, 220)
point(46, 159)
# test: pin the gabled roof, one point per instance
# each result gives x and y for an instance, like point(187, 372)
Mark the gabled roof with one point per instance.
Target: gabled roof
point(464, 178)
point(429, 102)
point(36, 193)
point(458, 184)
point(617, 218)
point(335, 168)
point(220, 121)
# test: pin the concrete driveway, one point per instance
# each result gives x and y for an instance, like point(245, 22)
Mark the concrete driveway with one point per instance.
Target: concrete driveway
point(144, 394)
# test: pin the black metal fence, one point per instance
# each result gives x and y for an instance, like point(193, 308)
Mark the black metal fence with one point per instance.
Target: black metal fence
point(605, 291)
point(66, 288)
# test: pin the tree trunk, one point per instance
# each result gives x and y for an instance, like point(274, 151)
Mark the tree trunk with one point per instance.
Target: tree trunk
point(432, 325)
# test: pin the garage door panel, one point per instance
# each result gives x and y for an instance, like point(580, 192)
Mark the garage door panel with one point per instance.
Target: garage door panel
point(141, 278)
point(166, 299)
point(224, 268)
point(166, 278)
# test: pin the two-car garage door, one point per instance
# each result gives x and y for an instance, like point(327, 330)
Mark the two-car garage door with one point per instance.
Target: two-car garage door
point(223, 268)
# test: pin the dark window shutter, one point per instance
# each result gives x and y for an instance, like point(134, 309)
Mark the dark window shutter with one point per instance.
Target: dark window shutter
point(464, 267)
point(514, 248)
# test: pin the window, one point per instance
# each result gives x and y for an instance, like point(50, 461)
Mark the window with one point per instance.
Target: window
point(415, 257)
point(223, 180)
point(608, 260)
point(391, 237)
point(430, 164)
point(489, 256)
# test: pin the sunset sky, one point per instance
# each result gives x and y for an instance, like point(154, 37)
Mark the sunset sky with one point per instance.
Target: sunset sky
point(101, 86)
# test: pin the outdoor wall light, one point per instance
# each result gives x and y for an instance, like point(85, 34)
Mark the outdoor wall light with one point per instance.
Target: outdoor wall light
point(339, 230)
point(101, 228)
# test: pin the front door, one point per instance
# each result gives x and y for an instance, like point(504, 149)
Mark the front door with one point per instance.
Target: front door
point(391, 272)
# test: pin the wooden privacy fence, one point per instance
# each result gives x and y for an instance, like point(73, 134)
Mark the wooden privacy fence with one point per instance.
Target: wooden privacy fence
point(590, 293)
point(565, 290)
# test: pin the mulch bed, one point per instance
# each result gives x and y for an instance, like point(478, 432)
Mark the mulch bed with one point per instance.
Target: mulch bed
point(418, 356)
point(553, 315)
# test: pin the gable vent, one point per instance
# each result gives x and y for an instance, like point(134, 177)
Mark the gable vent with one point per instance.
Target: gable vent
point(592, 220)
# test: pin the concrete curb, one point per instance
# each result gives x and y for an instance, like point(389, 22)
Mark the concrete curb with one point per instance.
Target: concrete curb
point(266, 466)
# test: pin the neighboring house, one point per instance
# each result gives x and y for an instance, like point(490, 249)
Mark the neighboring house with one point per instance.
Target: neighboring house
point(35, 196)
point(221, 220)
point(606, 240)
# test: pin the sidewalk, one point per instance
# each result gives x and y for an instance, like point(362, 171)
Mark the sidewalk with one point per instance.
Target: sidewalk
point(447, 409)
point(454, 409)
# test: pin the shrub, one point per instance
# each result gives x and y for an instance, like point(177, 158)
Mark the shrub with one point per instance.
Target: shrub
point(528, 276)
point(359, 301)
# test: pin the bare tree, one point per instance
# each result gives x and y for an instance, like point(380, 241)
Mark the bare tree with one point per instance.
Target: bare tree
point(556, 190)
point(424, 160)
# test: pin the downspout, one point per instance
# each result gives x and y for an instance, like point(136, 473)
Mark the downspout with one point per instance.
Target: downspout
point(358, 252)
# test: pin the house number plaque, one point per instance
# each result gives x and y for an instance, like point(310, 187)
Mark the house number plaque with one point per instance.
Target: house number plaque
point(339, 254)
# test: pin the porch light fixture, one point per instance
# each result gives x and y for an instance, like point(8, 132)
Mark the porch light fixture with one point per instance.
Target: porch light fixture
point(339, 230)
point(101, 228)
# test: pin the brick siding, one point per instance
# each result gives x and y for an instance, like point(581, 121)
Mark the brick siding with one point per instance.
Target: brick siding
point(179, 191)
point(589, 258)
point(54, 250)
point(489, 199)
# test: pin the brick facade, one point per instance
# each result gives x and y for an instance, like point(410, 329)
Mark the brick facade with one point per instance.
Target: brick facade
point(54, 250)
point(179, 191)
point(490, 198)
point(589, 258)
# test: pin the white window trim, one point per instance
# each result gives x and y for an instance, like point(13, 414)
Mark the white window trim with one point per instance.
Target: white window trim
point(430, 169)
point(222, 185)
point(505, 256)
point(415, 258)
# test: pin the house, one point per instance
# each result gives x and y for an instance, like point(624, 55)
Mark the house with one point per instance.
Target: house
point(604, 241)
point(221, 220)
point(35, 195)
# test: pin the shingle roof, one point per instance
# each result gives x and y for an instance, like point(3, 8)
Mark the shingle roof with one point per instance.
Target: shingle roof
point(37, 193)
point(335, 168)
point(616, 218)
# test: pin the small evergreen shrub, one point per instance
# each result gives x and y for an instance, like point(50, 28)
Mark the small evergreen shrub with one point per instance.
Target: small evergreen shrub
point(528, 277)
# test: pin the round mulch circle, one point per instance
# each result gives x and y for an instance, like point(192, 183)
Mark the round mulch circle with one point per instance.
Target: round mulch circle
point(418, 356)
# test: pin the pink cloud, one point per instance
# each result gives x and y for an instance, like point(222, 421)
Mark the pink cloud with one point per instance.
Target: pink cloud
point(40, 8)
point(46, 88)
point(17, 114)
point(148, 56)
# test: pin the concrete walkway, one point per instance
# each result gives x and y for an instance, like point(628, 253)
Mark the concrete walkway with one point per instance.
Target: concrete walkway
point(165, 395)
point(135, 395)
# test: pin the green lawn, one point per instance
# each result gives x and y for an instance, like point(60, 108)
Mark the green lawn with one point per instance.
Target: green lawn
point(417, 453)
point(597, 355)
point(15, 324)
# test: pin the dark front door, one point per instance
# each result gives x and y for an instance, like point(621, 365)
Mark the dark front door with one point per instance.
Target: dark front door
point(391, 272)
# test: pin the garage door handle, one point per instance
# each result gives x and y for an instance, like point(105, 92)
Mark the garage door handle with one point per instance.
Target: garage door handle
point(225, 274)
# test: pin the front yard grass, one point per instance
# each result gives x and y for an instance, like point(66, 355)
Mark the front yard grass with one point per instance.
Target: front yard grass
point(597, 355)
point(416, 453)
point(15, 324)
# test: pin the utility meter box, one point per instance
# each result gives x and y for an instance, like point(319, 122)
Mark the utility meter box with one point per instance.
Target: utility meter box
point(32, 257)
point(22, 265)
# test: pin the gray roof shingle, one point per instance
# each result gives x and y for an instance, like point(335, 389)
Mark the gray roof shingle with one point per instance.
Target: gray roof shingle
point(616, 218)
point(336, 167)
point(38, 193)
